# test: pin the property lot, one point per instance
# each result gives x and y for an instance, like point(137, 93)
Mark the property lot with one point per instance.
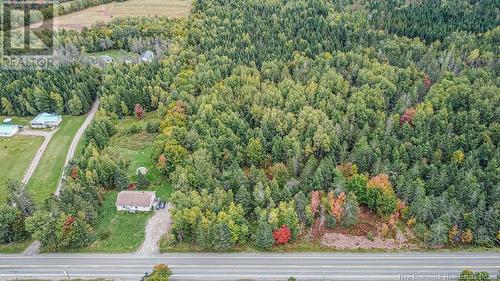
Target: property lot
point(15, 156)
point(125, 232)
point(105, 13)
point(46, 176)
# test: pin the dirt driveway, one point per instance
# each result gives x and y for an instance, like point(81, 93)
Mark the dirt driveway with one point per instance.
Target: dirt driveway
point(157, 226)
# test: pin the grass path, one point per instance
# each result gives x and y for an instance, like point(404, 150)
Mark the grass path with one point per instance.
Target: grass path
point(15, 156)
point(44, 181)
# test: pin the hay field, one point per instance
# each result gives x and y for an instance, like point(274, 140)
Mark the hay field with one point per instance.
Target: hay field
point(106, 12)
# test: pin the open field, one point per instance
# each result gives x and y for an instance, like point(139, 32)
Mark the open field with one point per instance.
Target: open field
point(46, 176)
point(106, 12)
point(117, 55)
point(15, 156)
point(118, 232)
point(23, 121)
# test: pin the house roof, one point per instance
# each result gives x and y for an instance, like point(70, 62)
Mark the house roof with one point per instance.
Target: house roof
point(46, 117)
point(106, 58)
point(135, 198)
point(7, 129)
point(147, 55)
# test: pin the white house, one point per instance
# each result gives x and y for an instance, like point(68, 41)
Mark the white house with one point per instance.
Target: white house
point(106, 59)
point(46, 120)
point(135, 201)
point(147, 56)
point(8, 130)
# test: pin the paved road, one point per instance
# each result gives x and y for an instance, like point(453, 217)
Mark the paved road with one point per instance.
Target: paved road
point(313, 266)
point(76, 140)
point(36, 160)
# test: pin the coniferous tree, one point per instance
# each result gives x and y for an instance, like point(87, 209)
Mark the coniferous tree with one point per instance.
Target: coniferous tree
point(264, 235)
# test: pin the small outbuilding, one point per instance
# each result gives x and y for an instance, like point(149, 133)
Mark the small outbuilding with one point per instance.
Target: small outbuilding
point(135, 201)
point(8, 130)
point(141, 170)
point(46, 120)
point(147, 56)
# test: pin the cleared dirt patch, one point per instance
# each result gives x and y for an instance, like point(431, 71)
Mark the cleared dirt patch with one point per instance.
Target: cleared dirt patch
point(346, 241)
point(133, 8)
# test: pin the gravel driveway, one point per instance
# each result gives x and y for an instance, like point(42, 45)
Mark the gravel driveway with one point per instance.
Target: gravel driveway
point(157, 226)
point(34, 162)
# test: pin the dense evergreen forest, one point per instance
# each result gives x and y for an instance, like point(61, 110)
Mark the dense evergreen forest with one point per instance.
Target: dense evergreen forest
point(434, 19)
point(281, 114)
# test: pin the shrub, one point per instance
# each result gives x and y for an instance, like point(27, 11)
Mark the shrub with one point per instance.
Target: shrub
point(139, 111)
point(420, 231)
point(153, 127)
point(105, 234)
point(466, 236)
point(381, 195)
point(351, 210)
point(282, 235)
point(161, 272)
point(468, 275)
point(133, 129)
point(369, 236)
point(331, 221)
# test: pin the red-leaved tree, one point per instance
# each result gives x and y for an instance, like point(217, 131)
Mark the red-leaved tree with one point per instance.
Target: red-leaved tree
point(68, 222)
point(139, 111)
point(74, 172)
point(407, 116)
point(162, 162)
point(282, 235)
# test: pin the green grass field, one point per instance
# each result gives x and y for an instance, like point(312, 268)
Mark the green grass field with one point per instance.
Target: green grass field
point(119, 232)
point(15, 156)
point(44, 181)
point(23, 121)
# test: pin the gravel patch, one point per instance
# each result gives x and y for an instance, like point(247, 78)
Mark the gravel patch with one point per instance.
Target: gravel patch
point(346, 241)
point(157, 226)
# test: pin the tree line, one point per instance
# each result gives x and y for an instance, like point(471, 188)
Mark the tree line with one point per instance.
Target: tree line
point(68, 89)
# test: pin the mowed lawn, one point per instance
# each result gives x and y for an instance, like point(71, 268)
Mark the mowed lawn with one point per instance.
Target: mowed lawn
point(15, 156)
point(118, 232)
point(132, 8)
point(44, 181)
